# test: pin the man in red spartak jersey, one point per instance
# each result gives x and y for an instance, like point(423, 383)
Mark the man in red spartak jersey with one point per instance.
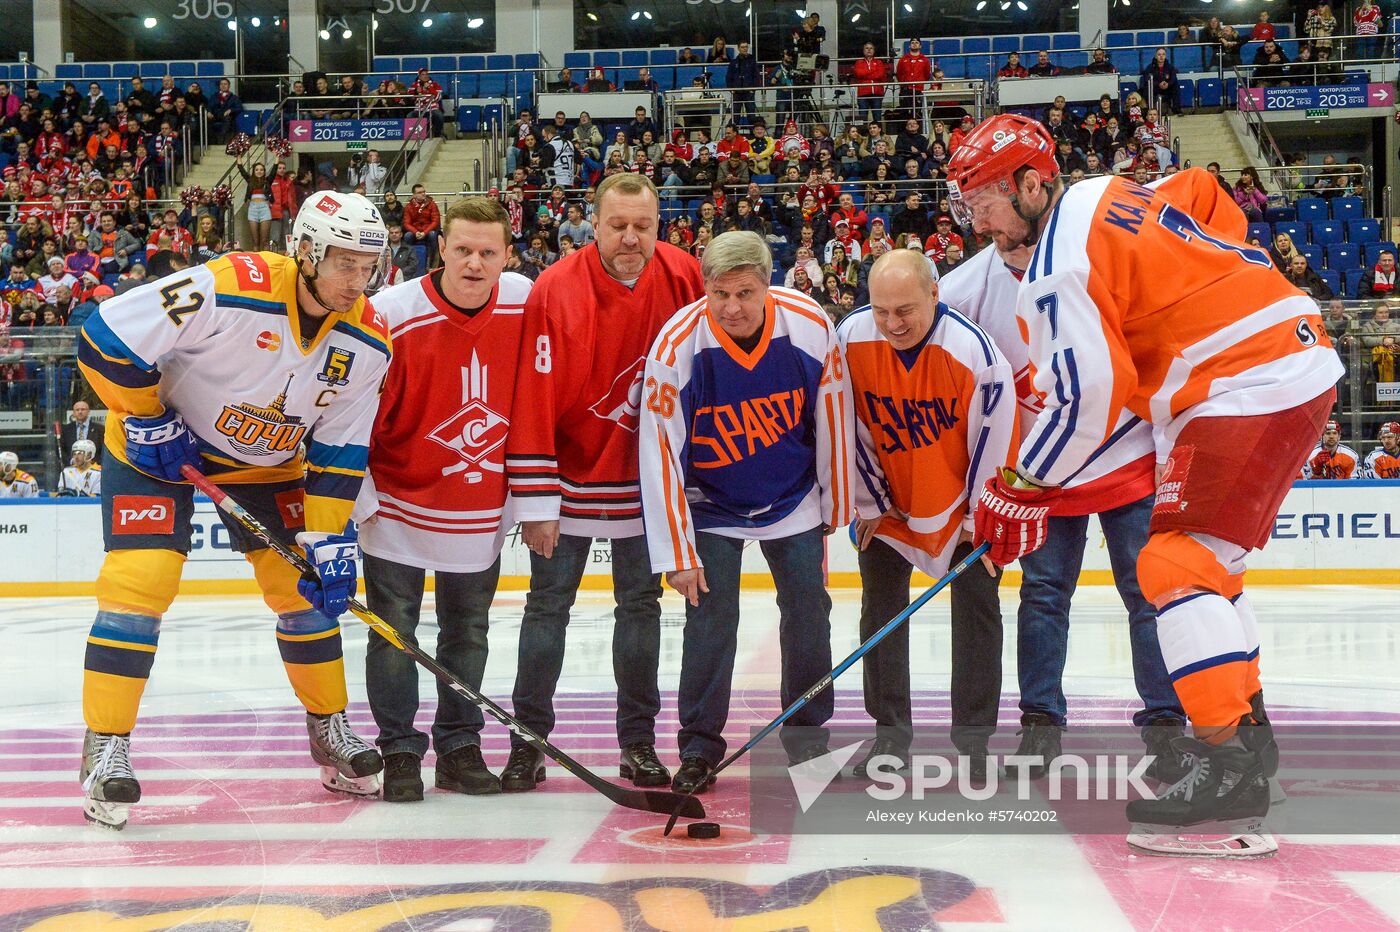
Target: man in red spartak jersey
point(571, 456)
point(438, 499)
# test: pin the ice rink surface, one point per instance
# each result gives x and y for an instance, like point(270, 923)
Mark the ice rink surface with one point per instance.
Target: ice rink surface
point(235, 831)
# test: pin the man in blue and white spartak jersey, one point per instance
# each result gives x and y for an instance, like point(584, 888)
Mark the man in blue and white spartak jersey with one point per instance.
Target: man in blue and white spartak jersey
point(745, 435)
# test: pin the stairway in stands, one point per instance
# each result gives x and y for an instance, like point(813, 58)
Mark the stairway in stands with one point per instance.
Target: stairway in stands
point(1209, 137)
point(453, 167)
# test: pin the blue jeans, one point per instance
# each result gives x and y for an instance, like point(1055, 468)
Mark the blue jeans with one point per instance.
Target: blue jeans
point(636, 645)
point(395, 593)
point(870, 107)
point(712, 637)
point(1042, 622)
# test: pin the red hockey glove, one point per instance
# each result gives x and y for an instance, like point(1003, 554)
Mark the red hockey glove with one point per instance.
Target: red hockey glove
point(1321, 465)
point(1013, 520)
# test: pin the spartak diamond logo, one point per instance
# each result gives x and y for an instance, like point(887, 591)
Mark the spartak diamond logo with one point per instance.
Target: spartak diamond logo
point(475, 431)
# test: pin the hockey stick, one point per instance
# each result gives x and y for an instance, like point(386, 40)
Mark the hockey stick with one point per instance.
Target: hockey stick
point(644, 800)
point(842, 667)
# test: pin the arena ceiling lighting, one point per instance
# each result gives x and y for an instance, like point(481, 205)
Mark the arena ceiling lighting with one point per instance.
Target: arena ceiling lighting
point(233, 25)
point(475, 22)
point(255, 22)
point(855, 17)
point(149, 22)
point(593, 16)
point(428, 23)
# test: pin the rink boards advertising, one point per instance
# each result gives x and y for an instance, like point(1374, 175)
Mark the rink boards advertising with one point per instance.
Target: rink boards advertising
point(1326, 532)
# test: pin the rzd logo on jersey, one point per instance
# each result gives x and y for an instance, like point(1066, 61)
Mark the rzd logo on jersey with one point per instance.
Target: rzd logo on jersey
point(336, 371)
point(623, 401)
point(143, 514)
point(475, 431)
point(261, 430)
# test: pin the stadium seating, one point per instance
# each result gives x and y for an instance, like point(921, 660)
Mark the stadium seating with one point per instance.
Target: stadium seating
point(1311, 209)
point(1346, 208)
point(1372, 252)
point(1296, 230)
point(1363, 231)
point(1333, 280)
point(1352, 280)
point(1327, 233)
point(1343, 256)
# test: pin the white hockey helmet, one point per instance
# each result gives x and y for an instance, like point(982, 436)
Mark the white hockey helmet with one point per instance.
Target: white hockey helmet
point(86, 447)
point(8, 462)
point(350, 221)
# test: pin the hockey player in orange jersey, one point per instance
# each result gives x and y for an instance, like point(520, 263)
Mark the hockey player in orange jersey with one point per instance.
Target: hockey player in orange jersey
point(1331, 459)
point(1147, 299)
point(1384, 461)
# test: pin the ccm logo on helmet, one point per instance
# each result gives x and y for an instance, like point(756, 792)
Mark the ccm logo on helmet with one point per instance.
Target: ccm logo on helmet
point(143, 514)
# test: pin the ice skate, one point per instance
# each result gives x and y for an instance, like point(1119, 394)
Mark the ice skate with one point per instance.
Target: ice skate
point(109, 783)
point(348, 764)
point(1216, 810)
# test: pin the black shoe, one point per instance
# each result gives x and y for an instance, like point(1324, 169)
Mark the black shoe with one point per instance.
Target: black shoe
point(524, 770)
point(812, 752)
point(976, 763)
point(696, 775)
point(403, 779)
point(1168, 765)
point(883, 746)
point(1040, 737)
point(463, 771)
point(641, 765)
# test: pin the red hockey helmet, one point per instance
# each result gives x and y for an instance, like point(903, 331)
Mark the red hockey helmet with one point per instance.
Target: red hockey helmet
point(993, 152)
point(1390, 427)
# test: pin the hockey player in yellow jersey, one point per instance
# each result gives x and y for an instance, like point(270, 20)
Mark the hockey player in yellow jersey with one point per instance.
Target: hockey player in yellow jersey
point(229, 367)
point(15, 482)
point(84, 477)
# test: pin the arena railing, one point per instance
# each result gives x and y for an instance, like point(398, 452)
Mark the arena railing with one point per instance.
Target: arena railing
point(52, 382)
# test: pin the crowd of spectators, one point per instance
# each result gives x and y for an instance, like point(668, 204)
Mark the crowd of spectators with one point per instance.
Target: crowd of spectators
point(82, 177)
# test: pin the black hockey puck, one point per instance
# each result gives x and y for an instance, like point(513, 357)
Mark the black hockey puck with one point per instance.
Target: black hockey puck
point(703, 830)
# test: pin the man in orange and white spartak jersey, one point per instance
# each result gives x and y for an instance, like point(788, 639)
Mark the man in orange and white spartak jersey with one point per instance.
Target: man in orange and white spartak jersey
point(1331, 459)
point(1117, 485)
point(935, 418)
point(1384, 461)
point(436, 495)
point(745, 437)
point(1233, 369)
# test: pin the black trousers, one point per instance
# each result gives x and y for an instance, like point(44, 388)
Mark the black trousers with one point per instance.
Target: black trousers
point(976, 660)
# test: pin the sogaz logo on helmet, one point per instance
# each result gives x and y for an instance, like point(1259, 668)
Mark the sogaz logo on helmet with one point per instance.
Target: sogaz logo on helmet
point(374, 238)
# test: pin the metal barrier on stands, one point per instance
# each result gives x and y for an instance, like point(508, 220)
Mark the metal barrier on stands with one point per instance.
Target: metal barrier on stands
point(50, 383)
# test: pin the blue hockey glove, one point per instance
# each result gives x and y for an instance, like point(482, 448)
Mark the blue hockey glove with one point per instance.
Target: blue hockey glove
point(333, 556)
point(159, 446)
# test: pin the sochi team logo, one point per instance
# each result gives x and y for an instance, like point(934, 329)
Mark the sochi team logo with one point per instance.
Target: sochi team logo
point(622, 402)
point(261, 430)
point(475, 431)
